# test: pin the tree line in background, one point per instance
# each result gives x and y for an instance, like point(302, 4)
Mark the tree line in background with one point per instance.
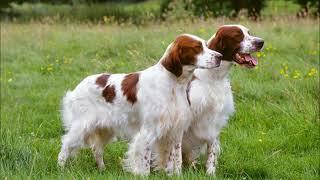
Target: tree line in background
point(214, 8)
point(200, 8)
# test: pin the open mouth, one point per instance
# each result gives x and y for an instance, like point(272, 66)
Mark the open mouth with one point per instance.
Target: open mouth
point(245, 60)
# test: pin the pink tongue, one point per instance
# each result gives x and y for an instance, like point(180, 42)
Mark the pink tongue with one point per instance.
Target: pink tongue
point(250, 59)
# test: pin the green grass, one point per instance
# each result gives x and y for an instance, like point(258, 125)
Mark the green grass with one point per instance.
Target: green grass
point(274, 133)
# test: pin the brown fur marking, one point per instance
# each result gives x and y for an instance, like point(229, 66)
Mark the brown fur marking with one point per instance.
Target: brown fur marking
point(129, 87)
point(227, 41)
point(182, 52)
point(102, 80)
point(109, 93)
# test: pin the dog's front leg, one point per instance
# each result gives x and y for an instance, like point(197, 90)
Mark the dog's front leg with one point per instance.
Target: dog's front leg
point(169, 169)
point(212, 160)
point(177, 158)
point(139, 153)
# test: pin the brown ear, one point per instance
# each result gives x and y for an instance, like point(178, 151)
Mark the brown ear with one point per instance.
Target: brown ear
point(172, 62)
point(217, 43)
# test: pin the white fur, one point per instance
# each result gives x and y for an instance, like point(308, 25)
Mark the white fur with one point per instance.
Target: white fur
point(160, 114)
point(212, 104)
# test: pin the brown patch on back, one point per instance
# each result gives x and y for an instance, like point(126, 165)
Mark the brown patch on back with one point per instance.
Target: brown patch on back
point(182, 52)
point(227, 41)
point(189, 87)
point(102, 80)
point(109, 93)
point(129, 87)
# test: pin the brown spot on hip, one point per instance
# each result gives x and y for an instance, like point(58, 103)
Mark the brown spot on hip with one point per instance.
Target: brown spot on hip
point(129, 87)
point(109, 93)
point(189, 87)
point(102, 80)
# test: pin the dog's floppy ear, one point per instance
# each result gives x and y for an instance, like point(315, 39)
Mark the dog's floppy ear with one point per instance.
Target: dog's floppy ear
point(172, 62)
point(217, 44)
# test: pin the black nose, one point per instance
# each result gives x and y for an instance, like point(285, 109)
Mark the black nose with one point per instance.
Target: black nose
point(259, 43)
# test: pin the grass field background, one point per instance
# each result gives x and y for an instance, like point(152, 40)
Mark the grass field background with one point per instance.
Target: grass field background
point(273, 134)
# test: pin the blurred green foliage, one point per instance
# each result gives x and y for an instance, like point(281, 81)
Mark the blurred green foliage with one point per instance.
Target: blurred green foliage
point(214, 8)
point(135, 13)
point(6, 3)
point(308, 7)
point(140, 11)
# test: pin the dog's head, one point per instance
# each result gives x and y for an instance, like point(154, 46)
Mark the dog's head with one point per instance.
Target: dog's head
point(236, 44)
point(189, 51)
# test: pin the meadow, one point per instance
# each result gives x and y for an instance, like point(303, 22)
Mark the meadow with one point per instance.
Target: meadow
point(274, 133)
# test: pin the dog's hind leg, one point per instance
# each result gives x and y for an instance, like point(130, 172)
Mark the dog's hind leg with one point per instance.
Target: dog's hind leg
point(98, 141)
point(71, 142)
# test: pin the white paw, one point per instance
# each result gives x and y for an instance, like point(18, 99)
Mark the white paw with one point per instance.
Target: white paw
point(101, 167)
point(211, 170)
point(169, 169)
point(61, 163)
point(141, 172)
point(61, 160)
point(177, 171)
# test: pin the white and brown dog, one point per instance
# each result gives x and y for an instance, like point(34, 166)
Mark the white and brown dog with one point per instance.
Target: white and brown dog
point(151, 103)
point(210, 94)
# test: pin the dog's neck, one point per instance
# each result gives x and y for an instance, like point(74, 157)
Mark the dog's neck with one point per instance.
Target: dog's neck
point(185, 74)
point(218, 73)
point(184, 78)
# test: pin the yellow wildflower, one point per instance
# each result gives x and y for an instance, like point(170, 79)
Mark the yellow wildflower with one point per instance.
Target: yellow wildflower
point(312, 72)
point(260, 140)
point(259, 54)
point(296, 74)
point(202, 30)
point(10, 80)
